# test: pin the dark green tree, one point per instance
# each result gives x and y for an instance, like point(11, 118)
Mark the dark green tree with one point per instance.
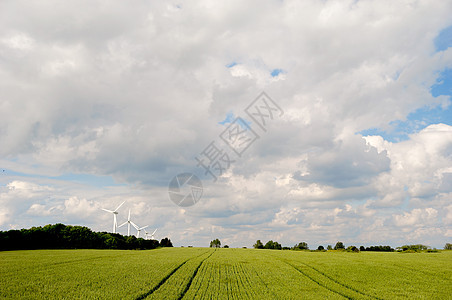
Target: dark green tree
point(352, 249)
point(329, 247)
point(166, 242)
point(215, 243)
point(320, 248)
point(339, 246)
point(301, 246)
point(273, 245)
point(258, 245)
point(448, 246)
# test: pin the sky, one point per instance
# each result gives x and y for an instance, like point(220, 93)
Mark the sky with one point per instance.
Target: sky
point(105, 102)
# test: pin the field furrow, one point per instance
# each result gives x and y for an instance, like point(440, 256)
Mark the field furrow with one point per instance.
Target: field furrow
point(179, 282)
point(329, 283)
point(143, 296)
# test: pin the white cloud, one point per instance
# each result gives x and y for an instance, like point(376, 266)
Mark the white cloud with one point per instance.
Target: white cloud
point(136, 92)
point(417, 217)
point(79, 207)
point(39, 210)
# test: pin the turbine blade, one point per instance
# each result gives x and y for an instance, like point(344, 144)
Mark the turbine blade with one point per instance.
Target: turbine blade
point(123, 224)
point(154, 232)
point(134, 225)
point(107, 210)
point(120, 205)
point(144, 227)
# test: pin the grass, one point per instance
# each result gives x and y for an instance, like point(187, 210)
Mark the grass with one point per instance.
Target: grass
point(203, 273)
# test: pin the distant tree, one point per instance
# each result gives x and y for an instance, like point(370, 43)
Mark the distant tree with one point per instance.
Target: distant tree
point(166, 242)
point(352, 249)
point(225, 246)
point(301, 246)
point(215, 243)
point(361, 248)
point(448, 246)
point(379, 248)
point(339, 246)
point(320, 248)
point(273, 245)
point(329, 247)
point(258, 245)
point(412, 248)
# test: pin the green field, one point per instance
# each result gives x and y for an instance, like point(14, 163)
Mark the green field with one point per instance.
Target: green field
point(203, 273)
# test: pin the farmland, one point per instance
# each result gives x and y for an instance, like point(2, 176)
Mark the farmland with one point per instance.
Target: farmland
point(203, 273)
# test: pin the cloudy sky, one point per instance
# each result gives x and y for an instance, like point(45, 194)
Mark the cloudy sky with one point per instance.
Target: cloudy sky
point(106, 101)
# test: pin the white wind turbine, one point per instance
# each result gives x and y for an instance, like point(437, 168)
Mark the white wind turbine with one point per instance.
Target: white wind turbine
point(139, 229)
point(152, 235)
point(146, 234)
point(128, 222)
point(114, 212)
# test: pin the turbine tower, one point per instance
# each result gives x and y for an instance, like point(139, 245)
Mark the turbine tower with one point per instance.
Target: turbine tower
point(114, 212)
point(128, 222)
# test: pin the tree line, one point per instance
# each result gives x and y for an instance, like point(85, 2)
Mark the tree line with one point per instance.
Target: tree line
point(60, 236)
point(341, 247)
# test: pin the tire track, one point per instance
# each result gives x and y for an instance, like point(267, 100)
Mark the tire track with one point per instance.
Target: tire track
point(47, 265)
point(266, 286)
point(312, 278)
point(340, 283)
point(151, 291)
point(193, 276)
point(319, 283)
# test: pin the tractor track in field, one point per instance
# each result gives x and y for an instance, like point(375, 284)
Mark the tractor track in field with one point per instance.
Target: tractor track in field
point(340, 283)
point(265, 284)
point(193, 276)
point(161, 282)
point(353, 290)
point(46, 265)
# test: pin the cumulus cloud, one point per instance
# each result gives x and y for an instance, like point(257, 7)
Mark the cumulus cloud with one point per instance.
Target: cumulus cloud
point(417, 217)
point(134, 93)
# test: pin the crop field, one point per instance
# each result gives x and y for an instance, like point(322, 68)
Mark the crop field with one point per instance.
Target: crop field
point(204, 273)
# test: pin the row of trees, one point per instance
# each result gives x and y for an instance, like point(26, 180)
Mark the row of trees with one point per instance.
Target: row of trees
point(340, 246)
point(269, 245)
point(60, 236)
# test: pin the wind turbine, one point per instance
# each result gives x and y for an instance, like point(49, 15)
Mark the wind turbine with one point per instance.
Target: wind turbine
point(139, 229)
point(114, 212)
point(147, 233)
point(152, 235)
point(128, 222)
